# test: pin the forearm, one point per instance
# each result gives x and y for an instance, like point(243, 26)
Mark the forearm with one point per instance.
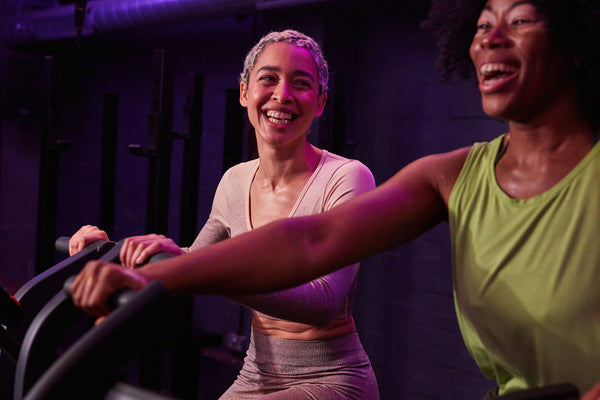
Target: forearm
point(315, 303)
point(247, 264)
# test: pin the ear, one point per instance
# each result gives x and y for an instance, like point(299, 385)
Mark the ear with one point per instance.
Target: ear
point(321, 105)
point(243, 95)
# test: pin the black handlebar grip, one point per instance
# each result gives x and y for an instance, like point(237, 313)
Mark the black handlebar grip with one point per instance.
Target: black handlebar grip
point(62, 244)
point(67, 285)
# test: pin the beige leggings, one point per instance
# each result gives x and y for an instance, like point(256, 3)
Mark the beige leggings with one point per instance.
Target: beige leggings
point(332, 369)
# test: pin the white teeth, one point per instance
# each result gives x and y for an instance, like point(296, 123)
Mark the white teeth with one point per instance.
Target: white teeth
point(495, 68)
point(277, 116)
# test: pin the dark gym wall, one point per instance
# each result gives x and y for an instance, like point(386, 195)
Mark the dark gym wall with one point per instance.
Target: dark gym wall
point(389, 101)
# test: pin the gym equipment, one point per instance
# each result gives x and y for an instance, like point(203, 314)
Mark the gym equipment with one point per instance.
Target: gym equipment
point(50, 147)
point(58, 324)
point(18, 311)
point(34, 294)
point(108, 168)
point(159, 143)
point(90, 367)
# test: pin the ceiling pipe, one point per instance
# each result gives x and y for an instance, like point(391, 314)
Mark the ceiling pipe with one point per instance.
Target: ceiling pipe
point(112, 15)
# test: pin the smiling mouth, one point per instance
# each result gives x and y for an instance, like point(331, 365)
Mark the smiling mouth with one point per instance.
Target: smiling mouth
point(496, 71)
point(278, 117)
point(494, 75)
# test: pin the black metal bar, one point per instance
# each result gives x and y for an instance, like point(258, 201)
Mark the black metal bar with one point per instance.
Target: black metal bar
point(192, 136)
point(110, 121)
point(159, 143)
point(48, 177)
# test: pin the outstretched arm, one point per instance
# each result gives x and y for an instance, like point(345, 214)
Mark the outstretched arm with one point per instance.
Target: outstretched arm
point(408, 204)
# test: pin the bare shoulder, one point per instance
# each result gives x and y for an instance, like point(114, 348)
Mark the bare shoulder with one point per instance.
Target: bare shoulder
point(449, 163)
point(441, 170)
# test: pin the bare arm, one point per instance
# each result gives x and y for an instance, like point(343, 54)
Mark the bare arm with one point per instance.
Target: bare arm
point(407, 205)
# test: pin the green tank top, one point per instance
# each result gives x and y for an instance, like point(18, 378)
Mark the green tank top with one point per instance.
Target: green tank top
point(527, 274)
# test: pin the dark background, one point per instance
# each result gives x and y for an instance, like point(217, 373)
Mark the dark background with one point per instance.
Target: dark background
point(386, 108)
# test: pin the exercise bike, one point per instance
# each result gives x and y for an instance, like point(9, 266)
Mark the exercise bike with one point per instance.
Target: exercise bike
point(40, 325)
point(18, 311)
point(91, 367)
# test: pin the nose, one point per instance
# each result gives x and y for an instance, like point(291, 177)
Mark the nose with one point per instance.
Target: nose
point(282, 92)
point(496, 37)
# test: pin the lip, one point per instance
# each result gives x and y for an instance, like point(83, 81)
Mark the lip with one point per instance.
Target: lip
point(496, 75)
point(279, 117)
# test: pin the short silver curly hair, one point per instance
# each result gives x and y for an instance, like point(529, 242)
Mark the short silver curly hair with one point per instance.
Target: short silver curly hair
point(292, 37)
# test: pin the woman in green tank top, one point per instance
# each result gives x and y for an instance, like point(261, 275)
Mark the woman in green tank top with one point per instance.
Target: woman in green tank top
point(523, 209)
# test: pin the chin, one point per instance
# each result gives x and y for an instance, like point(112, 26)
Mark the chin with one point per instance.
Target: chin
point(497, 111)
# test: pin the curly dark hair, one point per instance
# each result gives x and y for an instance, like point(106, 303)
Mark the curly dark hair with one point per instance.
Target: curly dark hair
point(573, 24)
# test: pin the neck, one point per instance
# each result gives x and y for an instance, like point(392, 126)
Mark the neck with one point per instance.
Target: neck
point(533, 139)
point(277, 168)
point(560, 125)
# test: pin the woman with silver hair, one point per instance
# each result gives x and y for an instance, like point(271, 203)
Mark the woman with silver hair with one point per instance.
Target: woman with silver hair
point(304, 343)
point(522, 208)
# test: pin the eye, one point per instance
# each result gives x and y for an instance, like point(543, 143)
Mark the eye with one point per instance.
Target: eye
point(521, 21)
point(486, 20)
point(484, 24)
point(303, 83)
point(267, 79)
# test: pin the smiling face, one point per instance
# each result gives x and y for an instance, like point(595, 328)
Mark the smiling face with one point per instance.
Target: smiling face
point(520, 71)
point(282, 95)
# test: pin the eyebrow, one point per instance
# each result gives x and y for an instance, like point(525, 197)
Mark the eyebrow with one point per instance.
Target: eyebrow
point(299, 72)
point(514, 5)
